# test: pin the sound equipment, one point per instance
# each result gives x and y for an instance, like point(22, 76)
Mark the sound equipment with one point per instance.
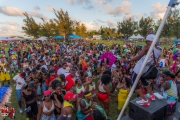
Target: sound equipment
point(155, 111)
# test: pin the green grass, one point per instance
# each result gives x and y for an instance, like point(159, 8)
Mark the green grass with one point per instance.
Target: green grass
point(121, 43)
point(113, 104)
point(14, 104)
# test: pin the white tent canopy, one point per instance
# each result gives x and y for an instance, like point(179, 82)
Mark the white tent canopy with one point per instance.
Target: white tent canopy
point(42, 38)
point(139, 37)
point(6, 39)
point(17, 38)
point(133, 37)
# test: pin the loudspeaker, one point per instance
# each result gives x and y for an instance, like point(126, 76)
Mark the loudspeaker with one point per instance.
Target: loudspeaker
point(155, 111)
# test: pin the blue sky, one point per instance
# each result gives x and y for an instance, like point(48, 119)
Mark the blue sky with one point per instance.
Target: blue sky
point(93, 13)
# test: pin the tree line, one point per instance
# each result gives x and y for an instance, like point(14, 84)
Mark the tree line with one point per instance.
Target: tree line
point(64, 25)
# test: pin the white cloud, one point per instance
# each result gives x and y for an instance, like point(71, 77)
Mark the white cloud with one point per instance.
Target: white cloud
point(73, 18)
point(126, 17)
point(11, 11)
point(101, 2)
point(36, 8)
point(89, 25)
point(71, 1)
point(111, 23)
point(10, 28)
point(49, 8)
point(10, 23)
point(78, 1)
point(159, 10)
point(83, 1)
point(133, 17)
point(98, 2)
point(38, 15)
point(120, 9)
point(14, 11)
point(138, 15)
point(10, 31)
point(87, 3)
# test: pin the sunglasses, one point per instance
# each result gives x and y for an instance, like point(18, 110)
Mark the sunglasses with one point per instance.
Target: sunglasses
point(46, 96)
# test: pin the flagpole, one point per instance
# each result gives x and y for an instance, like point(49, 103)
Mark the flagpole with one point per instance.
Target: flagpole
point(171, 4)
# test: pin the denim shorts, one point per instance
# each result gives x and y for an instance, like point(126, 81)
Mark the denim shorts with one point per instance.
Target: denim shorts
point(44, 117)
point(18, 95)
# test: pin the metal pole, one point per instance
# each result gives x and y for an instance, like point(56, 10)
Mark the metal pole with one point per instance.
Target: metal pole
point(172, 3)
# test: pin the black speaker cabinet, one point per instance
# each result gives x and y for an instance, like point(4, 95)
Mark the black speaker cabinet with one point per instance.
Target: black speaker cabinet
point(155, 111)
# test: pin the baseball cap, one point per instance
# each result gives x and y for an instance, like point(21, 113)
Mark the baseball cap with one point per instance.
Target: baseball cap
point(69, 95)
point(150, 37)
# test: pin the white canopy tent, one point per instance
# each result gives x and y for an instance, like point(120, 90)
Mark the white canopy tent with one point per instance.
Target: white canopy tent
point(139, 37)
point(133, 37)
point(42, 38)
point(17, 38)
point(4, 39)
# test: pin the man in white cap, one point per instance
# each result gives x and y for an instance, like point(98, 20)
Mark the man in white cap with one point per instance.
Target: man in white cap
point(140, 59)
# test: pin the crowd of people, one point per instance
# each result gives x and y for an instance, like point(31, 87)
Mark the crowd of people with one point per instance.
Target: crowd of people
point(65, 81)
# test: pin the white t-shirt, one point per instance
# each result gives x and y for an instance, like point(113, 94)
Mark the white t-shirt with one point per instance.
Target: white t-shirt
point(61, 71)
point(17, 79)
point(150, 61)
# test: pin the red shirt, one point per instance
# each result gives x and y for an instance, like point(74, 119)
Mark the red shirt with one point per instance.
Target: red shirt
point(69, 83)
point(56, 67)
point(51, 78)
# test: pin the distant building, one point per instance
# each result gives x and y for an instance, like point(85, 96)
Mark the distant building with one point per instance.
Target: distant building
point(97, 37)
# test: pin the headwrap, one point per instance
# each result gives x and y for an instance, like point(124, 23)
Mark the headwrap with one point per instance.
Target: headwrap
point(47, 92)
point(89, 94)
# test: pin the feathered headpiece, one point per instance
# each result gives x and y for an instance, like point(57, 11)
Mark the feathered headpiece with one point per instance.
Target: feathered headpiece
point(110, 56)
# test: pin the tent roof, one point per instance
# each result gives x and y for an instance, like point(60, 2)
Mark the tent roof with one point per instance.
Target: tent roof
point(6, 39)
point(58, 37)
point(17, 38)
point(42, 38)
point(132, 37)
point(73, 36)
point(139, 36)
